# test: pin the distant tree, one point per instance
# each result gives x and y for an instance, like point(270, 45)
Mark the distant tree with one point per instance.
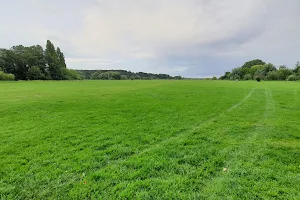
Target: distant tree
point(104, 76)
point(115, 75)
point(35, 57)
point(283, 73)
point(248, 77)
point(71, 74)
point(297, 68)
point(292, 77)
point(95, 75)
point(55, 62)
point(124, 77)
point(260, 73)
point(251, 63)
point(226, 76)
point(253, 70)
point(176, 77)
point(34, 73)
point(61, 58)
point(235, 77)
point(137, 77)
point(269, 67)
point(257, 69)
point(214, 78)
point(2, 60)
point(236, 73)
point(272, 75)
point(16, 62)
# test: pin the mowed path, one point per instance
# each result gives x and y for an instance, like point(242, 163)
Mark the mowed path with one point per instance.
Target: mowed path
point(177, 144)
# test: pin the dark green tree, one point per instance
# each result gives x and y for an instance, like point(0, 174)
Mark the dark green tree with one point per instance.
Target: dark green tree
point(35, 73)
point(251, 63)
point(61, 58)
point(272, 75)
point(297, 68)
point(54, 61)
point(16, 62)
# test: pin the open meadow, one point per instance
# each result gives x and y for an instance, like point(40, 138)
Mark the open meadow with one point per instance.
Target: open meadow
point(149, 140)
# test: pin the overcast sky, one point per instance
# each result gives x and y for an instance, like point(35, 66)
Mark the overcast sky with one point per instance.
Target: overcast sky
point(192, 38)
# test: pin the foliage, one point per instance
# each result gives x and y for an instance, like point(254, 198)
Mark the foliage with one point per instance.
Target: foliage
point(55, 61)
point(35, 63)
point(122, 75)
point(258, 69)
point(297, 68)
point(35, 73)
point(272, 75)
point(226, 76)
point(251, 63)
point(248, 77)
point(175, 77)
point(257, 79)
point(70, 74)
point(292, 77)
point(6, 77)
point(283, 73)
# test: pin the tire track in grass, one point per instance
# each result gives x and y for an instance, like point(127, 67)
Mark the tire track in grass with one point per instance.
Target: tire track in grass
point(244, 151)
point(187, 133)
point(242, 101)
point(89, 175)
point(195, 128)
point(112, 183)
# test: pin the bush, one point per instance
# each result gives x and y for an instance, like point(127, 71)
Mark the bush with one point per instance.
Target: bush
point(248, 77)
point(124, 77)
point(34, 73)
point(257, 79)
point(6, 77)
point(235, 77)
point(272, 76)
point(292, 77)
point(70, 74)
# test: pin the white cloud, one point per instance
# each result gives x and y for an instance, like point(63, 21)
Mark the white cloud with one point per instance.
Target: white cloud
point(151, 28)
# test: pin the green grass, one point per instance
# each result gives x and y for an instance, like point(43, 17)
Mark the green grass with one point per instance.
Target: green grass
point(149, 140)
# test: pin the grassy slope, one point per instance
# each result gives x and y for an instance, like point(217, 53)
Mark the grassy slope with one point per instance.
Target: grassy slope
point(149, 140)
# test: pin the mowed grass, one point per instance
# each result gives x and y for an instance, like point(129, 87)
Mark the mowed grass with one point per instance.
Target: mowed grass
point(149, 140)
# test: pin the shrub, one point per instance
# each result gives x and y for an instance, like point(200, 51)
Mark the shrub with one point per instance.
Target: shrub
point(6, 77)
point(124, 77)
point(34, 73)
point(272, 75)
point(248, 77)
point(235, 77)
point(257, 79)
point(70, 74)
point(292, 77)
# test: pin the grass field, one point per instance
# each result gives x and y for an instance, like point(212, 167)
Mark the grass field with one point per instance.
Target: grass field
point(149, 140)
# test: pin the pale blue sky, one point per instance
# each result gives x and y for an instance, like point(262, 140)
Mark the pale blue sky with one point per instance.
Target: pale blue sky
point(193, 38)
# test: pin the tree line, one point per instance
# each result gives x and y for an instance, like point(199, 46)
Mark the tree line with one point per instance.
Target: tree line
point(259, 70)
point(121, 75)
point(34, 63)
